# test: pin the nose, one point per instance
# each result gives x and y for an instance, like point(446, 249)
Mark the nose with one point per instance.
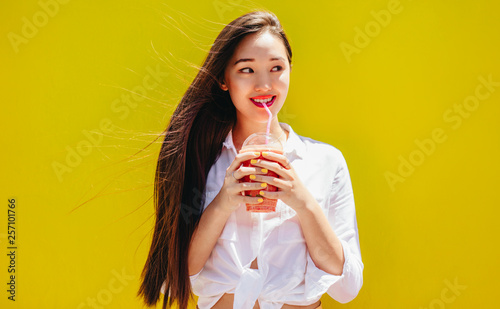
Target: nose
point(262, 83)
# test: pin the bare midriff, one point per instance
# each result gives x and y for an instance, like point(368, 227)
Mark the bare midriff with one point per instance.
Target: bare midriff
point(227, 300)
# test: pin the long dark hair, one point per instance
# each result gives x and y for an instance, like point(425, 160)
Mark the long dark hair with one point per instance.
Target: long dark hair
point(193, 142)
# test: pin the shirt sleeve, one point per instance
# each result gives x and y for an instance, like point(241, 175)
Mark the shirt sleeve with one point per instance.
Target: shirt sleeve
point(195, 276)
point(342, 218)
point(191, 278)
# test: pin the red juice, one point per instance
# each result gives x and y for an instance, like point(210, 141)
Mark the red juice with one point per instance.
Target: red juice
point(268, 205)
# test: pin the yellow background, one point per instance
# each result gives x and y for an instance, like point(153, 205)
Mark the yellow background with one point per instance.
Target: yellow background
point(83, 231)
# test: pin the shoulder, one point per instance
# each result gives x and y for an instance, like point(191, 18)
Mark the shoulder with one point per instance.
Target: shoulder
point(321, 152)
point(327, 149)
point(323, 168)
point(308, 147)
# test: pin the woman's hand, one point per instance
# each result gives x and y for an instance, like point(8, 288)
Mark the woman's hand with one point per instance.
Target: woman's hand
point(232, 192)
point(290, 189)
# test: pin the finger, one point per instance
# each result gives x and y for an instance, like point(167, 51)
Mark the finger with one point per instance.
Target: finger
point(241, 173)
point(241, 187)
point(240, 158)
point(252, 200)
point(252, 186)
point(271, 195)
point(281, 159)
point(280, 183)
point(252, 170)
point(276, 168)
point(241, 198)
point(235, 175)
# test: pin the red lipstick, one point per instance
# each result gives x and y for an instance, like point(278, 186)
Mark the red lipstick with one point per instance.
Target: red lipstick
point(264, 100)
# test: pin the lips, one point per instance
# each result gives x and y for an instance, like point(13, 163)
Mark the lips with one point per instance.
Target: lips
point(263, 99)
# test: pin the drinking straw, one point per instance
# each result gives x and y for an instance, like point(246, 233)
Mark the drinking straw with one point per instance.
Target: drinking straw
point(268, 121)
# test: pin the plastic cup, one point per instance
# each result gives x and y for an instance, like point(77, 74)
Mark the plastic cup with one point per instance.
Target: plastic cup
point(261, 142)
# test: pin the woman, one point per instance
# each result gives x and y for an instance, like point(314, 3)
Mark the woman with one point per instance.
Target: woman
point(204, 240)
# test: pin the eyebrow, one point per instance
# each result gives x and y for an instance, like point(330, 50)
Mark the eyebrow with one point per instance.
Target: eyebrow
point(252, 59)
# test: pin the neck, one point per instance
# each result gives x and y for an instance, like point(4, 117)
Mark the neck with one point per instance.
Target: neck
point(242, 130)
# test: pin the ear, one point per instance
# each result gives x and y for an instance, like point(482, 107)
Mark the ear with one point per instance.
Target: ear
point(223, 86)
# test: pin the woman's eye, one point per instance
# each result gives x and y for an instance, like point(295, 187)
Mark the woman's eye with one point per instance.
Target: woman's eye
point(279, 68)
point(246, 70)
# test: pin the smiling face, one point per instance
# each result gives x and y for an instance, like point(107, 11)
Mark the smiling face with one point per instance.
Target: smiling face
point(258, 72)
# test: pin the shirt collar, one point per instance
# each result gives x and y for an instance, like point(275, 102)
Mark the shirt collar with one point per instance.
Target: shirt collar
point(293, 145)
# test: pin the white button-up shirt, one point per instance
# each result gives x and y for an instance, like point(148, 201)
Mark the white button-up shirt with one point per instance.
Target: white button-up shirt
point(286, 273)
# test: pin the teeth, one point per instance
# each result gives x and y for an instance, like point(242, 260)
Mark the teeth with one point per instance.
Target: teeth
point(263, 101)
